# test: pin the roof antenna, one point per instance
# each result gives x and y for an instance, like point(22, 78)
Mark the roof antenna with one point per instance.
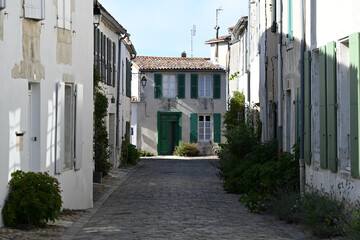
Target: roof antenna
point(217, 20)
point(193, 33)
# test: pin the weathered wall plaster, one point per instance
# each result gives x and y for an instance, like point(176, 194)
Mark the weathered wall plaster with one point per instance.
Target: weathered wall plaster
point(64, 47)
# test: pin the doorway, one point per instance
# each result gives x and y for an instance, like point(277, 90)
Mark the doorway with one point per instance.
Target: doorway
point(169, 132)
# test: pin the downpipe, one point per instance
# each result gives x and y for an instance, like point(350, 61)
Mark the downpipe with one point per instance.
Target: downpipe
point(279, 94)
point(302, 85)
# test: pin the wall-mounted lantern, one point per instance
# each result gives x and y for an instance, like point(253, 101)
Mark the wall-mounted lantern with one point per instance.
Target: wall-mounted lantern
point(143, 81)
point(97, 15)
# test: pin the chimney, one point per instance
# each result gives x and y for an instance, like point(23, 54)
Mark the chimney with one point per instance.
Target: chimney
point(183, 54)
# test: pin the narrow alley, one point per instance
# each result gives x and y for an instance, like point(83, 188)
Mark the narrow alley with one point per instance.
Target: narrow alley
point(177, 199)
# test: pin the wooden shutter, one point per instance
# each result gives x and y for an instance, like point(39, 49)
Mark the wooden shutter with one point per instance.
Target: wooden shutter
point(67, 14)
point(34, 9)
point(331, 105)
point(114, 65)
point(79, 100)
point(290, 21)
point(194, 86)
point(307, 110)
point(181, 86)
point(108, 62)
point(354, 45)
point(158, 85)
point(323, 103)
point(59, 138)
point(193, 127)
point(128, 78)
point(217, 127)
point(2, 4)
point(216, 86)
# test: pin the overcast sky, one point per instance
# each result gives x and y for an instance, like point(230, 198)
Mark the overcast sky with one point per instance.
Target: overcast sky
point(163, 27)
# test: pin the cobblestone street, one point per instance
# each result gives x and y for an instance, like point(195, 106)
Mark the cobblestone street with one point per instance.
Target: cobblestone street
point(176, 199)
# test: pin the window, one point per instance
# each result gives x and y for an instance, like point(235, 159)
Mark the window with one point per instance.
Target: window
point(2, 4)
point(33, 9)
point(204, 128)
point(64, 14)
point(205, 86)
point(169, 86)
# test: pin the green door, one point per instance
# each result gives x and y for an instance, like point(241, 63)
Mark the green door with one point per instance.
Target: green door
point(169, 132)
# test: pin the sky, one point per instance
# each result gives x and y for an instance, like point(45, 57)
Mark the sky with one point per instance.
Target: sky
point(163, 27)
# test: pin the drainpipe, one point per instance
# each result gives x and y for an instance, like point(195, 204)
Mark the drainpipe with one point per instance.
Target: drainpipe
point(279, 97)
point(302, 86)
point(265, 82)
point(248, 58)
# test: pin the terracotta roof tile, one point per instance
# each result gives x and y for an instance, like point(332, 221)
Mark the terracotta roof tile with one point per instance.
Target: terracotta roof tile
point(147, 63)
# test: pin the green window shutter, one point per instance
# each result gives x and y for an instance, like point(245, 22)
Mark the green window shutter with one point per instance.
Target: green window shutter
point(323, 122)
point(290, 21)
point(181, 86)
point(331, 105)
point(128, 78)
point(307, 105)
point(354, 45)
point(194, 85)
point(217, 127)
point(297, 114)
point(193, 127)
point(217, 86)
point(158, 85)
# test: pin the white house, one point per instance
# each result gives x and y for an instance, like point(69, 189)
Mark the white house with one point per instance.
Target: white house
point(113, 52)
point(177, 99)
point(46, 95)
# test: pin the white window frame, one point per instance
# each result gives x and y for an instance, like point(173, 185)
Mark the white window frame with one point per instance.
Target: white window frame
point(169, 86)
point(34, 9)
point(2, 4)
point(64, 14)
point(205, 86)
point(204, 128)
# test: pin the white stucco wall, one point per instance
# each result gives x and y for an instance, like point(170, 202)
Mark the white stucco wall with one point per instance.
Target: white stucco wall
point(222, 53)
point(76, 185)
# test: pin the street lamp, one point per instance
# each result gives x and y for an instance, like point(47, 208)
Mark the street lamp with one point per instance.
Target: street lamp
point(143, 81)
point(97, 15)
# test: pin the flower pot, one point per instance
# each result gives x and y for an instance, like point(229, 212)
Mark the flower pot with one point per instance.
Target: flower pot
point(97, 176)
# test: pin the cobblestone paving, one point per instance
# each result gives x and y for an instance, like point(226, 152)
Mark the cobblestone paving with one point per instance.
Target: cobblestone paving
point(177, 199)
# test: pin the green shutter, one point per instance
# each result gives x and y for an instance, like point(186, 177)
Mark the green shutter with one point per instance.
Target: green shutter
point(323, 123)
point(297, 114)
point(193, 127)
point(158, 85)
point(181, 86)
point(217, 127)
point(194, 85)
point(307, 105)
point(217, 86)
point(128, 78)
point(354, 42)
point(290, 21)
point(331, 106)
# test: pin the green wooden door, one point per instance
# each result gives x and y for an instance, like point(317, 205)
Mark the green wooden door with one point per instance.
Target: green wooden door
point(164, 140)
point(169, 132)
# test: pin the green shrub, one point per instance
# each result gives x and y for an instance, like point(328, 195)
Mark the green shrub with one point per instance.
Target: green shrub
point(34, 199)
point(352, 227)
point(187, 149)
point(146, 154)
point(287, 206)
point(129, 154)
point(322, 214)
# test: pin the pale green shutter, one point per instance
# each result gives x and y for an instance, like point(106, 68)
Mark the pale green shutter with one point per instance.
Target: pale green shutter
point(217, 127)
point(290, 21)
point(216, 86)
point(331, 106)
point(323, 122)
point(158, 85)
point(354, 103)
point(194, 85)
point(307, 105)
point(193, 127)
point(128, 78)
point(181, 86)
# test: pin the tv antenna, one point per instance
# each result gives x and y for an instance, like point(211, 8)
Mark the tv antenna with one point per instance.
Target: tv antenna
point(193, 34)
point(217, 21)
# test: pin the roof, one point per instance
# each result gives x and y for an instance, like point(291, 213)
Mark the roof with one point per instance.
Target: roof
point(225, 38)
point(148, 63)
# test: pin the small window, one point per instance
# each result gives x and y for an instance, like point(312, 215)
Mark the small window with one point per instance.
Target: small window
point(34, 9)
point(204, 128)
point(2, 4)
point(169, 86)
point(205, 86)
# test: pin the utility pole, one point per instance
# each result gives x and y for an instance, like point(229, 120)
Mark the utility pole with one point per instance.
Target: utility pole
point(193, 33)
